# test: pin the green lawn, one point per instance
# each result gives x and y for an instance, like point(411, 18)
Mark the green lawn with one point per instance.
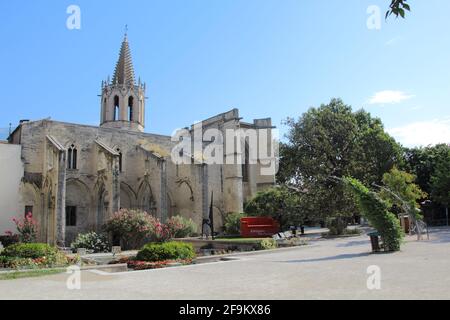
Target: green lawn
point(30, 274)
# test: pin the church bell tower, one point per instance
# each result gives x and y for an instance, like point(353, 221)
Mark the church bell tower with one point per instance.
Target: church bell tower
point(123, 101)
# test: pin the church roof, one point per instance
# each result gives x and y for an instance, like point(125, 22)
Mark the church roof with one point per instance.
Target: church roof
point(124, 72)
point(106, 148)
point(55, 143)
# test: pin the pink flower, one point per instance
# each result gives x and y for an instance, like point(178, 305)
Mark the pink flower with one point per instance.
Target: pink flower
point(27, 228)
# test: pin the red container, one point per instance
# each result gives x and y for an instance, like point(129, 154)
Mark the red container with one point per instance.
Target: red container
point(255, 227)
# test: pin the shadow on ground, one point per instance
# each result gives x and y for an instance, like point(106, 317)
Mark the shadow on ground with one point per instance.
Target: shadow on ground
point(338, 257)
point(353, 244)
point(440, 235)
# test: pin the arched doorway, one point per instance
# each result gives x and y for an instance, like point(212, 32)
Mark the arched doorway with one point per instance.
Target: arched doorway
point(147, 202)
point(127, 197)
point(77, 209)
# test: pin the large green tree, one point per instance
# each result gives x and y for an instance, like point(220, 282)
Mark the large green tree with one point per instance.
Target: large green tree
point(334, 141)
point(422, 162)
point(440, 180)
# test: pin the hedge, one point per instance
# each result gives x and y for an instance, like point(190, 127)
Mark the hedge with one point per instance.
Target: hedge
point(153, 252)
point(378, 214)
point(29, 250)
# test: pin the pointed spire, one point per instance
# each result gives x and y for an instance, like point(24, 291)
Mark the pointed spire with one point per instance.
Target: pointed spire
point(124, 72)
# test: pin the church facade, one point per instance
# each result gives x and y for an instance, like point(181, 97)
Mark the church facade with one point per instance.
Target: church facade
point(76, 176)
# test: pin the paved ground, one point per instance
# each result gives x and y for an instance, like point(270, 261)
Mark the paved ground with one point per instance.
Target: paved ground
point(327, 269)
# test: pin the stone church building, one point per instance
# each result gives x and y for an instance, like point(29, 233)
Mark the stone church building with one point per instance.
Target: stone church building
point(74, 177)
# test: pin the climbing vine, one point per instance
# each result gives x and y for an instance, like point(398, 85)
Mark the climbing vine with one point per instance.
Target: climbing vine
point(376, 211)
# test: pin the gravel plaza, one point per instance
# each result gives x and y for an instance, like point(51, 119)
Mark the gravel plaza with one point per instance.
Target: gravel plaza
point(325, 269)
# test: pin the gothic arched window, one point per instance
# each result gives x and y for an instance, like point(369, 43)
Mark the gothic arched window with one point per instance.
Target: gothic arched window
point(72, 155)
point(130, 108)
point(116, 108)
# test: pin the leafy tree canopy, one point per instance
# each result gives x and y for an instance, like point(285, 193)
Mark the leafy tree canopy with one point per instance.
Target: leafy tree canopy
point(429, 166)
point(334, 141)
point(398, 8)
point(402, 184)
point(440, 180)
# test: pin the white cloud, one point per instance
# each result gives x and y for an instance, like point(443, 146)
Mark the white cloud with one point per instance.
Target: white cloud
point(423, 133)
point(389, 97)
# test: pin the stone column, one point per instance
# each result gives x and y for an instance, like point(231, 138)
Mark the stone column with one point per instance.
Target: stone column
point(205, 190)
point(61, 201)
point(123, 108)
point(232, 172)
point(163, 196)
point(115, 196)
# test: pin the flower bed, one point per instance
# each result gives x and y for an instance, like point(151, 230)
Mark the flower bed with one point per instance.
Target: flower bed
point(134, 228)
point(136, 265)
point(32, 256)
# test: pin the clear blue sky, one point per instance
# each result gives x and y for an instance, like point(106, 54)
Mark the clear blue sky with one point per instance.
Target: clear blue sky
point(202, 57)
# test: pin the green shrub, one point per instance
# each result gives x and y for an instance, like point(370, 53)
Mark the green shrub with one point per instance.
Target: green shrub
point(91, 241)
point(181, 227)
point(29, 250)
point(336, 225)
point(376, 211)
point(268, 244)
point(153, 252)
point(233, 223)
point(32, 255)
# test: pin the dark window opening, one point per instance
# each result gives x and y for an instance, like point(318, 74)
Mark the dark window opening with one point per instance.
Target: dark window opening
point(74, 159)
point(120, 160)
point(71, 216)
point(28, 210)
point(130, 108)
point(104, 110)
point(116, 108)
point(72, 155)
point(69, 158)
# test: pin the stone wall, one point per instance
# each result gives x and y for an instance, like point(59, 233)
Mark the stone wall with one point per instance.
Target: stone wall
point(127, 169)
point(11, 173)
